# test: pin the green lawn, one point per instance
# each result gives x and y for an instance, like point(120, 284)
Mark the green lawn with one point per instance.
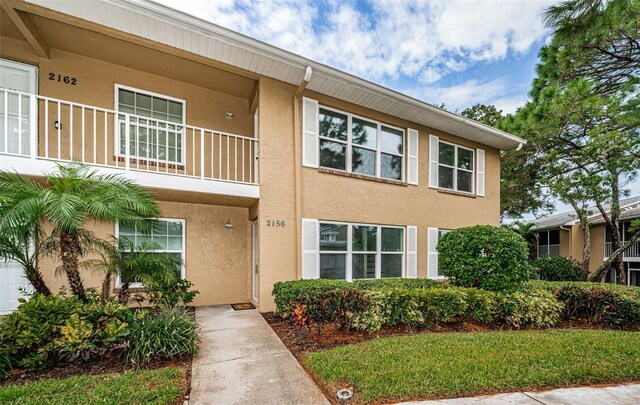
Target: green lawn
point(161, 386)
point(432, 365)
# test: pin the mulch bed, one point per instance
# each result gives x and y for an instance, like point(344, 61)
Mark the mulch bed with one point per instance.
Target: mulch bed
point(300, 341)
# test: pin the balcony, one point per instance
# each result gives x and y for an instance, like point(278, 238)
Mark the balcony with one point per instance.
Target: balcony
point(38, 131)
point(632, 251)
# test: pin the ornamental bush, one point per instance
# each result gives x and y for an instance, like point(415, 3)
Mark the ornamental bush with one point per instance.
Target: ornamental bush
point(600, 304)
point(531, 307)
point(45, 330)
point(485, 257)
point(557, 268)
point(168, 333)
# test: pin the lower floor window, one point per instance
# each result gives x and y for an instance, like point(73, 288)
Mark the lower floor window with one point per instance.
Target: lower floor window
point(165, 236)
point(356, 251)
point(442, 232)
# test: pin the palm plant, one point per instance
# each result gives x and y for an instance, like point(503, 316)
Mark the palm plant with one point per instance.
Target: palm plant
point(136, 263)
point(526, 231)
point(72, 196)
point(22, 244)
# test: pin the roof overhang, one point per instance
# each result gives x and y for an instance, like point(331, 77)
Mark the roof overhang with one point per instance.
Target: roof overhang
point(161, 24)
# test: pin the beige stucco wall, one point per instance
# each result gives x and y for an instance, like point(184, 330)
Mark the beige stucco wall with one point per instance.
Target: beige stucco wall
point(216, 259)
point(597, 246)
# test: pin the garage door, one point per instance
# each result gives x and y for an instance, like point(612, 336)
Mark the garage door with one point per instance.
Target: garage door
point(12, 279)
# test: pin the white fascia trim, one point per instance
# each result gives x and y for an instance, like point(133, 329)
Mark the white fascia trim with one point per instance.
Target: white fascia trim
point(38, 167)
point(259, 47)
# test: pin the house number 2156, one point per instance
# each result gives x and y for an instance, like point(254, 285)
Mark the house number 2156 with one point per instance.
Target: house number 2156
point(276, 223)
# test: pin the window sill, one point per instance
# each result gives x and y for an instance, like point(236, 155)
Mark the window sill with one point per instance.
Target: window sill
point(460, 193)
point(362, 176)
point(132, 290)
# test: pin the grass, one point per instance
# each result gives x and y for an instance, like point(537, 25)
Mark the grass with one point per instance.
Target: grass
point(160, 386)
point(438, 365)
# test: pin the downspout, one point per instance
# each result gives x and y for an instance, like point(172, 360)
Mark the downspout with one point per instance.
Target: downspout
point(512, 151)
point(562, 228)
point(297, 166)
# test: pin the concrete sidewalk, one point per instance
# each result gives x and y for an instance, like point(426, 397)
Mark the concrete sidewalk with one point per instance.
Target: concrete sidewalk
point(242, 361)
point(628, 394)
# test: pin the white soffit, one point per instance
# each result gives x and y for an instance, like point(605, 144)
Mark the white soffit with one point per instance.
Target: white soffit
point(164, 25)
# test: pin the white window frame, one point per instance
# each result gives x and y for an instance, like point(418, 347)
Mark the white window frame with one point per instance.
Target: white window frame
point(350, 145)
point(183, 137)
point(350, 252)
point(549, 245)
point(441, 232)
point(456, 168)
point(182, 252)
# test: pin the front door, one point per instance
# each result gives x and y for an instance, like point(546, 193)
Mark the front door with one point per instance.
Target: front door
point(17, 82)
point(254, 261)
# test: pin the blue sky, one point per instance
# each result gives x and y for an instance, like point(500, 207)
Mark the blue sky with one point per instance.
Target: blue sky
point(456, 52)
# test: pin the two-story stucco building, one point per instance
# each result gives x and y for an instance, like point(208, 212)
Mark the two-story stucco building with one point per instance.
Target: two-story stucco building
point(561, 235)
point(267, 166)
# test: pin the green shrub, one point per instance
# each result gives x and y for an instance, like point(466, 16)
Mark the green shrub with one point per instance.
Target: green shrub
point(171, 293)
point(49, 329)
point(557, 268)
point(285, 293)
point(484, 257)
point(167, 333)
point(397, 283)
point(531, 307)
point(599, 304)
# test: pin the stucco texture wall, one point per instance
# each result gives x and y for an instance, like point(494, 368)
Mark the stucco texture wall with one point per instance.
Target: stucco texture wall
point(216, 259)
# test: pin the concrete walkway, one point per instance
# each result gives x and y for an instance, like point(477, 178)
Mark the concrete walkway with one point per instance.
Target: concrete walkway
point(628, 394)
point(242, 361)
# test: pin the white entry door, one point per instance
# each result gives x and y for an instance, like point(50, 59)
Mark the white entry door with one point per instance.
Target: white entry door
point(17, 111)
point(12, 280)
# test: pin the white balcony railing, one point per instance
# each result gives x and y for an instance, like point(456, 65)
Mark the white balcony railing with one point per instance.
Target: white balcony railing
point(46, 128)
point(632, 251)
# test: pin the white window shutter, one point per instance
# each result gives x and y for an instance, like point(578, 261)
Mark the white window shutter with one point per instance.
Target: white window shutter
point(310, 256)
point(412, 252)
point(310, 140)
point(432, 253)
point(433, 161)
point(480, 173)
point(412, 153)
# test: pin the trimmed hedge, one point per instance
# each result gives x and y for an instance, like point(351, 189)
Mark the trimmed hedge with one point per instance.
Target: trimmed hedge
point(484, 256)
point(370, 306)
point(600, 304)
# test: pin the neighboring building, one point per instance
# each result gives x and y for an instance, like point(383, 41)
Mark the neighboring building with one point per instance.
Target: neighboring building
point(561, 234)
point(267, 166)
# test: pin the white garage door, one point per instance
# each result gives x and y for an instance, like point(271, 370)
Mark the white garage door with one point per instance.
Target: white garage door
point(12, 279)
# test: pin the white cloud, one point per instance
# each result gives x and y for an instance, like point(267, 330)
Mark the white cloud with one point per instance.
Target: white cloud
point(460, 96)
point(395, 41)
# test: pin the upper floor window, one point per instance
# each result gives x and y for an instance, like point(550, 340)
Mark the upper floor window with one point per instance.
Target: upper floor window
point(549, 243)
point(358, 145)
point(156, 126)
point(455, 167)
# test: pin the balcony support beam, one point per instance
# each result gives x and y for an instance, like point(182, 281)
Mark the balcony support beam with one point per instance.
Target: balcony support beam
point(28, 29)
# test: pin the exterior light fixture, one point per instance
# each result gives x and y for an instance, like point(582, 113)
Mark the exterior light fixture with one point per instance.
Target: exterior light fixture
point(228, 226)
point(228, 115)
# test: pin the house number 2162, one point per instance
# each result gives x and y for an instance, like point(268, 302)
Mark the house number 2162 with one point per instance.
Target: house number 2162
point(275, 223)
point(63, 79)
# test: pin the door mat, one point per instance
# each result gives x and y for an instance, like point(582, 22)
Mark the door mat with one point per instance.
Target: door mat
point(242, 307)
